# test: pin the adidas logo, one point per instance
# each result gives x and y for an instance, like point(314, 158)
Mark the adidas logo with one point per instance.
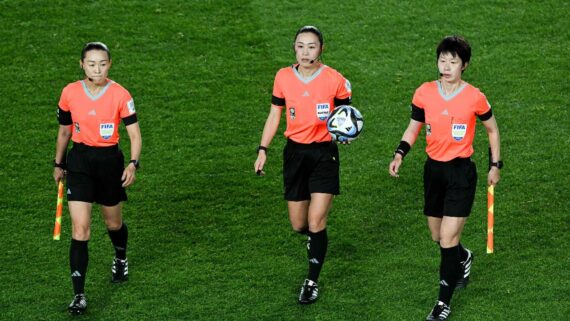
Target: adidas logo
point(314, 261)
point(92, 113)
point(445, 113)
point(442, 282)
point(306, 94)
point(76, 274)
point(68, 191)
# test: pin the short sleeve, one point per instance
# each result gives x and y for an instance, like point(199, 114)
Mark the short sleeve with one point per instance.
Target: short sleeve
point(63, 100)
point(127, 105)
point(418, 99)
point(63, 112)
point(343, 94)
point(483, 108)
point(278, 97)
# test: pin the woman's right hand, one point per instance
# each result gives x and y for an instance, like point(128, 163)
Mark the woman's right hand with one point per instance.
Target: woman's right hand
point(395, 165)
point(260, 162)
point(58, 174)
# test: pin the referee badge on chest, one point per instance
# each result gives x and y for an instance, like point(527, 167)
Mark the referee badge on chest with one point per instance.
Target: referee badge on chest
point(458, 131)
point(323, 111)
point(106, 130)
point(292, 113)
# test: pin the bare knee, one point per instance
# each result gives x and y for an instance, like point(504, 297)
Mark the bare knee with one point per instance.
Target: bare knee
point(449, 241)
point(81, 233)
point(299, 227)
point(317, 225)
point(113, 225)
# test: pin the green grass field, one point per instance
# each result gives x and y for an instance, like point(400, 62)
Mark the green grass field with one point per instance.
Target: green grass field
point(211, 241)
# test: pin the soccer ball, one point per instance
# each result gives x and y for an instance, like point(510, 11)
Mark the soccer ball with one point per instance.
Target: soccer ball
point(345, 123)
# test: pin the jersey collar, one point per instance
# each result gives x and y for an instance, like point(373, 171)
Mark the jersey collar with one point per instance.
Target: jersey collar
point(452, 95)
point(308, 79)
point(101, 93)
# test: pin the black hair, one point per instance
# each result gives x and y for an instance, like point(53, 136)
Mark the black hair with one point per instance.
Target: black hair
point(456, 46)
point(95, 46)
point(312, 29)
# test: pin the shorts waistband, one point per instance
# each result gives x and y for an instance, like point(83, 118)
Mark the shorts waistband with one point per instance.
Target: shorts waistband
point(310, 145)
point(455, 161)
point(83, 147)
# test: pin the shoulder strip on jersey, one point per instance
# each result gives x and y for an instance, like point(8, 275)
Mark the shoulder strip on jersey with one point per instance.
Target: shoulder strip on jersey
point(343, 101)
point(418, 114)
point(64, 117)
point(486, 115)
point(129, 120)
point(277, 101)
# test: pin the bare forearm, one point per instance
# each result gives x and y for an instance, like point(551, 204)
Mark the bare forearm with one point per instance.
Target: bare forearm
point(271, 126)
point(63, 137)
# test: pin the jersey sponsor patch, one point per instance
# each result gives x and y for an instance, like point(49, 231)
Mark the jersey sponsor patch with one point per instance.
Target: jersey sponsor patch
point(106, 130)
point(131, 106)
point(323, 111)
point(348, 86)
point(458, 131)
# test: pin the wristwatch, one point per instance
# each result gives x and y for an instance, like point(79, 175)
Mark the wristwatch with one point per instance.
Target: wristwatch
point(263, 148)
point(498, 164)
point(135, 162)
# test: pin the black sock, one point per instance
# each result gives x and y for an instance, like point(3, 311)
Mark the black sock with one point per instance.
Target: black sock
point(462, 252)
point(316, 251)
point(78, 260)
point(449, 272)
point(119, 239)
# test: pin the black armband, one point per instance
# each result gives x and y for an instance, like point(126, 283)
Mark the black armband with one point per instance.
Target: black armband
point(342, 101)
point(64, 117)
point(486, 115)
point(277, 101)
point(418, 114)
point(129, 120)
point(403, 148)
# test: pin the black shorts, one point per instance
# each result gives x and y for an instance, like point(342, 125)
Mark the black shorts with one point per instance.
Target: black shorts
point(94, 175)
point(310, 168)
point(449, 187)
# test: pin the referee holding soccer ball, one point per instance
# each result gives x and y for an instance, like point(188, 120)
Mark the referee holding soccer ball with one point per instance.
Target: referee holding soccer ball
point(449, 107)
point(90, 111)
point(308, 91)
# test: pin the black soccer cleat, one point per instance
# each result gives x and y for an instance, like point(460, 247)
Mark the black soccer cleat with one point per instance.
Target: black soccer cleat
point(120, 270)
point(440, 312)
point(466, 270)
point(78, 305)
point(309, 292)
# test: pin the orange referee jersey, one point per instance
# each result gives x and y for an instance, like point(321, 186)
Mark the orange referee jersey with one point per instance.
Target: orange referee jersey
point(450, 120)
point(96, 118)
point(309, 101)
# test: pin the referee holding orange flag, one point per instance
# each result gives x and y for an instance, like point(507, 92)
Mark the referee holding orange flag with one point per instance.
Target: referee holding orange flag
point(90, 111)
point(449, 107)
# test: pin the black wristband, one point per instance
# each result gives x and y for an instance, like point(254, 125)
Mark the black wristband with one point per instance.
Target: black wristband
point(263, 148)
point(61, 165)
point(135, 162)
point(403, 148)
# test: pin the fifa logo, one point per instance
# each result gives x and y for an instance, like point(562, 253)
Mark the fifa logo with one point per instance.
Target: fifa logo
point(292, 113)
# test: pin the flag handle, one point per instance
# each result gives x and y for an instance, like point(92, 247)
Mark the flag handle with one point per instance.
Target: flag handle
point(58, 211)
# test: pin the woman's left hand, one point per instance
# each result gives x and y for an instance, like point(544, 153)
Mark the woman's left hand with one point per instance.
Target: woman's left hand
point(494, 176)
point(128, 177)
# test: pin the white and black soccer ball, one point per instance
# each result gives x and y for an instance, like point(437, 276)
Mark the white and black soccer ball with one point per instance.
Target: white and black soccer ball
point(345, 123)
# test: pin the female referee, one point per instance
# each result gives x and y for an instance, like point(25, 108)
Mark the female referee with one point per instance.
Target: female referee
point(448, 107)
point(308, 91)
point(89, 113)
